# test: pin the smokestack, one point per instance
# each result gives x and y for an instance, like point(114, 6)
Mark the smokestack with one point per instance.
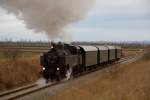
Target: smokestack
point(48, 16)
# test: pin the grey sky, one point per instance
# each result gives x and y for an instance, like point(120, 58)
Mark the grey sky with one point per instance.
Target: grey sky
point(113, 20)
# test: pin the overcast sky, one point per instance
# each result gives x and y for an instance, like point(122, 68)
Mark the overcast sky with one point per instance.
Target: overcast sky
point(109, 20)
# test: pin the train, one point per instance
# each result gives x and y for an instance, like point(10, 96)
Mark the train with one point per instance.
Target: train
point(64, 61)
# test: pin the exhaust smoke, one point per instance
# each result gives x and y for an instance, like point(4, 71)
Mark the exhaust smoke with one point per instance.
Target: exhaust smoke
point(48, 16)
point(41, 82)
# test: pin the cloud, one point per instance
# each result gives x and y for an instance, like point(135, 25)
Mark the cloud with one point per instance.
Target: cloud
point(107, 34)
point(120, 7)
point(116, 20)
point(108, 20)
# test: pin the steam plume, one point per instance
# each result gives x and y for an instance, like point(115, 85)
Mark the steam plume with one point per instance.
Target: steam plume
point(49, 16)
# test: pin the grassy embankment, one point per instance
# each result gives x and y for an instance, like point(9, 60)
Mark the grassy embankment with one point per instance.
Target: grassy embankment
point(130, 82)
point(18, 69)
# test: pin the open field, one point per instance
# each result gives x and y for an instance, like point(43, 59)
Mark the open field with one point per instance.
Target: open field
point(130, 82)
point(18, 68)
point(24, 49)
point(130, 52)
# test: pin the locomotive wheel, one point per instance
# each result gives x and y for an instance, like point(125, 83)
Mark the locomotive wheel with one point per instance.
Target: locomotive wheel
point(69, 73)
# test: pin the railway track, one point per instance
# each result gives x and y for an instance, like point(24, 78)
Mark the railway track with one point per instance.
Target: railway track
point(121, 61)
point(7, 94)
point(23, 91)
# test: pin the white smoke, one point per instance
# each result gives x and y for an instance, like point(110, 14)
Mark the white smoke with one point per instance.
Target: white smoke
point(41, 82)
point(48, 16)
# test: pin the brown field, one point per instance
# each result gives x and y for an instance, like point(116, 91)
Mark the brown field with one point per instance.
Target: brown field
point(130, 82)
point(20, 68)
point(127, 52)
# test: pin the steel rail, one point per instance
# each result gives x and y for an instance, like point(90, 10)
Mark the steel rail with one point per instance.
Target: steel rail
point(17, 89)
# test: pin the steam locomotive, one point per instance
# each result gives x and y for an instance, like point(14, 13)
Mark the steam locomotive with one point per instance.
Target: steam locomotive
point(64, 61)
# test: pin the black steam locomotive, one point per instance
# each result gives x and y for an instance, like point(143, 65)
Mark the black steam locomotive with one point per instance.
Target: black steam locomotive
point(63, 61)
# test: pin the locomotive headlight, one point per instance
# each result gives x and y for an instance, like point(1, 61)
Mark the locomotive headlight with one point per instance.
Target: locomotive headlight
point(52, 47)
point(58, 69)
point(43, 68)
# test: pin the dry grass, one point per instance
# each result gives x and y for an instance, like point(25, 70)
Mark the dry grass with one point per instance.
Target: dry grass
point(17, 69)
point(127, 52)
point(131, 82)
point(146, 56)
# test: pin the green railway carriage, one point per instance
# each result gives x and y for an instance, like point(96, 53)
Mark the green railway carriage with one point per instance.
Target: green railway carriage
point(103, 54)
point(111, 53)
point(89, 55)
point(118, 52)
